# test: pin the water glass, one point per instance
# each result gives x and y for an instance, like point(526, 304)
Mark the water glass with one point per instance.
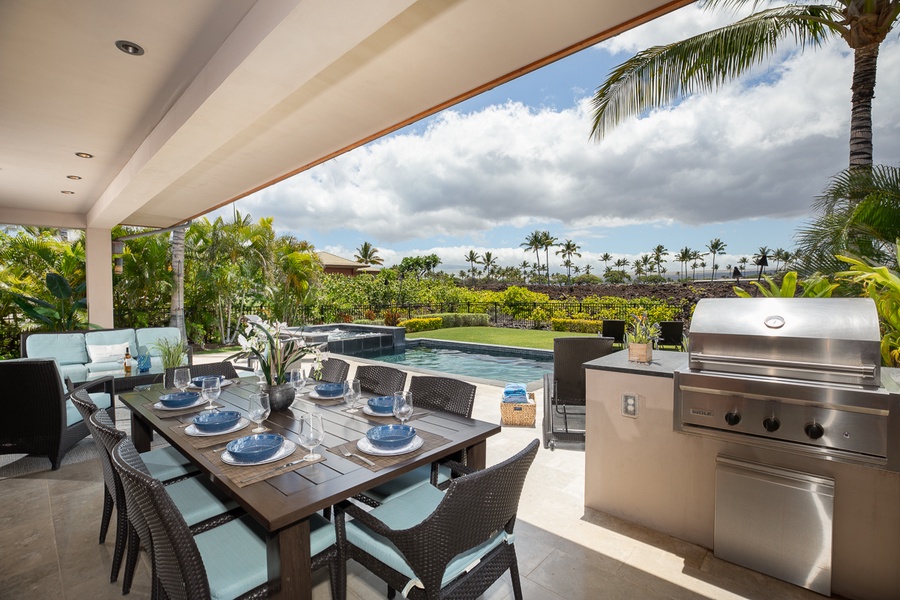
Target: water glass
point(259, 410)
point(181, 378)
point(312, 433)
point(352, 394)
point(298, 379)
point(212, 387)
point(403, 405)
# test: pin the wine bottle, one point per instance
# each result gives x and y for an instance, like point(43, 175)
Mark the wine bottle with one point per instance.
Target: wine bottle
point(127, 361)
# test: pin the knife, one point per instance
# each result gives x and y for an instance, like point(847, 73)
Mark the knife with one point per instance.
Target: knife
point(270, 471)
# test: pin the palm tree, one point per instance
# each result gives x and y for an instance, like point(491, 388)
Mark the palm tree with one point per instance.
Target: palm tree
point(367, 254)
point(490, 264)
point(684, 257)
point(743, 262)
point(606, 257)
point(568, 249)
point(176, 304)
point(523, 269)
point(661, 75)
point(761, 258)
point(658, 253)
point(715, 247)
point(547, 242)
point(534, 242)
point(696, 256)
point(702, 269)
point(587, 269)
point(472, 258)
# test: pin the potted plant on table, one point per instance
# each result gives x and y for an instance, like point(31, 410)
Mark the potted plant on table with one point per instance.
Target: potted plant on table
point(276, 349)
point(640, 337)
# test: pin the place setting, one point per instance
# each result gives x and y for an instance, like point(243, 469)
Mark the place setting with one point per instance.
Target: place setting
point(182, 403)
point(380, 408)
point(212, 428)
point(327, 393)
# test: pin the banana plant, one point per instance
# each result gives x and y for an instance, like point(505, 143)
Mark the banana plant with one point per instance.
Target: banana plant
point(815, 286)
point(64, 313)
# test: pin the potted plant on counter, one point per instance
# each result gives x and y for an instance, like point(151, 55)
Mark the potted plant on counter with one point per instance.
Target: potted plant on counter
point(640, 337)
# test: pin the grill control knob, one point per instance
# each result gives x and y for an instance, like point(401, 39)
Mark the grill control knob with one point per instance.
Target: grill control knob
point(814, 431)
point(771, 424)
point(733, 418)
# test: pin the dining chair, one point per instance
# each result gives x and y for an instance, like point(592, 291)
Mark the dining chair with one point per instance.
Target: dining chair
point(433, 544)
point(615, 329)
point(201, 505)
point(228, 561)
point(223, 369)
point(334, 370)
point(671, 333)
point(428, 393)
point(379, 380)
point(38, 417)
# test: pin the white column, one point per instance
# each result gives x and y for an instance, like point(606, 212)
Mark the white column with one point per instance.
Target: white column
point(99, 270)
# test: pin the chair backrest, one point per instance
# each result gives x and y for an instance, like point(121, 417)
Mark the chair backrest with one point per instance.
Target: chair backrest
point(334, 370)
point(671, 333)
point(176, 558)
point(379, 380)
point(86, 407)
point(615, 329)
point(474, 508)
point(443, 393)
point(223, 369)
point(569, 354)
point(33, 405)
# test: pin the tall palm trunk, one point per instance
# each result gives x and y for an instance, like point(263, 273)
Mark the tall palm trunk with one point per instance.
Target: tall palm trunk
point(865, 61)
point(176, 311)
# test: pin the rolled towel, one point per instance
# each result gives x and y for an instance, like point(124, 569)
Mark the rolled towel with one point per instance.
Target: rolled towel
point(514, 389)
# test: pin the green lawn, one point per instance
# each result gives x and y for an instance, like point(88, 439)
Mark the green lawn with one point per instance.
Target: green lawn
point(524, 338)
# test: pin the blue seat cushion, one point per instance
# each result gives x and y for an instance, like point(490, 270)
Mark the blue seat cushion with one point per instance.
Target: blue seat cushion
point(406, 482)
point(167, 463)
point(66, 348)
point(404, 512)
point(101, 399)
point(198, 500)
point(234, 555)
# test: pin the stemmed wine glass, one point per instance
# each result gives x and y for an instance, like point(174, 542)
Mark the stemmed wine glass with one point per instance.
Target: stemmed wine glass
point(352, 394)
point(181, 378)
point(259, 410)
point(212, 387)
point(312, 434)
point(403, 405)
point(298, 380)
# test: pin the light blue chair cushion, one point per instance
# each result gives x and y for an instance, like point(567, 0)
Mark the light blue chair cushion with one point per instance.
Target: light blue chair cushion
point(150, 335)
point(167, 463)
point(197, 500)
point(76, 373)
point(101, 399)
point(406, 482)
point(66, 348)
point(402, 513)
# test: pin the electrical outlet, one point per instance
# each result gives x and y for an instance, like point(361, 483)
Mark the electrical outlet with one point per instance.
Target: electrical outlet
point(630, 405)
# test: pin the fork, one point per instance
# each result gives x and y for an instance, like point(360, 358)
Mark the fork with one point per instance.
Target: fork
point(348, 454)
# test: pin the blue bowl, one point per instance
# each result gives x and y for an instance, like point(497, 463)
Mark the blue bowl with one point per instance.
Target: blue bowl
point(255, 448)
point(391, 437)
point(329, 390)
point(214, 422)
point(198, 381)
point(179, 399)
point(383, 405)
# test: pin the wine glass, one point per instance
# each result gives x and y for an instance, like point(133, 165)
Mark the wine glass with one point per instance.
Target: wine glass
point(258, 371)
point(298, 380)
point(181, 378)
point(312, 433)
point(403, 405)
point(352, 394)
point(259, 410)
point(212, 387)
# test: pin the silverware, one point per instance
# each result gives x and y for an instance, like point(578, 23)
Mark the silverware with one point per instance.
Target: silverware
point(348, 454)
point(270, 471)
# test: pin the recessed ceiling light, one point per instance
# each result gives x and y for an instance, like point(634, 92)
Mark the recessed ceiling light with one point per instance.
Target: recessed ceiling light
point(84, 155)
point(67, 192)
point(73, 177)
point(129, 47)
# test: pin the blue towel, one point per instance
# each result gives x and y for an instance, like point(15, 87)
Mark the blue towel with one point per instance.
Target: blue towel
point(515, 392)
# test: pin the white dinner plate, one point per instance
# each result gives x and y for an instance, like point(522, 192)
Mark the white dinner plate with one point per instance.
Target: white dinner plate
point(192, 429)
point(287, 448)
point(225, 383)
point(199, 402)
point(372, 413)
point(315, 396)
point(366, 446)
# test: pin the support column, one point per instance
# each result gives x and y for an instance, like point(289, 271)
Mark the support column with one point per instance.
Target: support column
point(98, 267)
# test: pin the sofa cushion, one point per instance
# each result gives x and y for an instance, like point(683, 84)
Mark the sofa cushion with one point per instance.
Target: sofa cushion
point(77, 373)
point(105, 337)
point(101, 399)
point(104, 353)
point(105, 367)
point(148, 337)
point(66, 348)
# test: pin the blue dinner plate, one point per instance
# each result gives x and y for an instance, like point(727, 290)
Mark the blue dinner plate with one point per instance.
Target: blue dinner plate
point(383, 405)
point(213, 422)
point(329, 390)
point(391, 437)
point(179, 399)
point(255, 448)
point(198, 381)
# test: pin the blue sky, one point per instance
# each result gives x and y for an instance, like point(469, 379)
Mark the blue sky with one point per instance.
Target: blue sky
point(743, 164)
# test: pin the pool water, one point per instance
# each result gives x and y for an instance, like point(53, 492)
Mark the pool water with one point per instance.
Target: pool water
point(481, 364)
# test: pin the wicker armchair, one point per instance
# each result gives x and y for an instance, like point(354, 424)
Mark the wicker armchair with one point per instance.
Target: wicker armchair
point(37, 416)
point(334, 370)
point(225, 562)
point(381, 381)
point(564, 389)
point(223, 369)
point(423, 542)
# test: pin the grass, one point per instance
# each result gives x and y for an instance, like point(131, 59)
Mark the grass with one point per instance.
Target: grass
point(522, 338)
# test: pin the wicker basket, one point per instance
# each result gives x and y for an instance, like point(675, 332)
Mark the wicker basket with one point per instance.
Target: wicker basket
point(517, 413)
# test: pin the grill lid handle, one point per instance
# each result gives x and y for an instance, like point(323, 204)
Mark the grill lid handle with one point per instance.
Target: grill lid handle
point(810, 367)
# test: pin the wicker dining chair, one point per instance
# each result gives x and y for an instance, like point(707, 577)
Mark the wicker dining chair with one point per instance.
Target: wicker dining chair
point(229, 561)
point(334, 370)
point(426, 542)
point(222, 369)
point(381, 381)
point(615, 329)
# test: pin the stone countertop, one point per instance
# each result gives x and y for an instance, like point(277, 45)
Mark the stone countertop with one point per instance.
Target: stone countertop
point(664, 363)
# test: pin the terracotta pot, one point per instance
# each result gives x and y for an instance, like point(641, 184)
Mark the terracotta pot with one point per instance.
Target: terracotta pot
point(280, 396)
point(642, 353)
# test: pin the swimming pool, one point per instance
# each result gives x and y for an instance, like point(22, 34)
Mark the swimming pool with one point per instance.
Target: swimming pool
point(480, 361)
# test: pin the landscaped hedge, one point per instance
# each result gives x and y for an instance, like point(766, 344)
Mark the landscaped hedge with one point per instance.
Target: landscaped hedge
point(460, 319)
point(421, 324)
point(577, 325)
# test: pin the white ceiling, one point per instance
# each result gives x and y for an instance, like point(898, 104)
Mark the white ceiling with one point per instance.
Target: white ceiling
point(234, 95)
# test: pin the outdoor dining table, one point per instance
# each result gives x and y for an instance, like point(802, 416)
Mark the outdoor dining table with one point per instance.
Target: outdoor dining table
point(283, 503)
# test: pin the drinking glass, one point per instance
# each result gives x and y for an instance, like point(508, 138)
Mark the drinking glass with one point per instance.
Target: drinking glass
point(352, 394)
point(312, 434)
point(403, 405)
point(258, 371)
point(212, 387)
point(298, 380)
point(182, 378)
point(259, 410)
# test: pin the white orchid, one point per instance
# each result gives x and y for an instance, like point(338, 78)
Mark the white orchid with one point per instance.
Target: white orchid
point(276, 347)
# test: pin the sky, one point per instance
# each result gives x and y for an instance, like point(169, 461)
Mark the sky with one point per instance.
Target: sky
point(743, 164)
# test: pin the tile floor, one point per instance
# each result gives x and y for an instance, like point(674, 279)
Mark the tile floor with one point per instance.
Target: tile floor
point(49, 524)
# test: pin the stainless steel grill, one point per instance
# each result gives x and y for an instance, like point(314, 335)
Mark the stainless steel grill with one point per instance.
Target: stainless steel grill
point(797, 374)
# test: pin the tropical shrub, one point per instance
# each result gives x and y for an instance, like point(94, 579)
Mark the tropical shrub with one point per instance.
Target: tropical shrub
point(815, 286)
point(64, 311)
point(420, 324)
point(391, 318)
point(576, 325)
point(883, 286)
point(461, 319)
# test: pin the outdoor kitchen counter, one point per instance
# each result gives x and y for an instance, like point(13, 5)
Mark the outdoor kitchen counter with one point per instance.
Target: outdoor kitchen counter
point(640, 469)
